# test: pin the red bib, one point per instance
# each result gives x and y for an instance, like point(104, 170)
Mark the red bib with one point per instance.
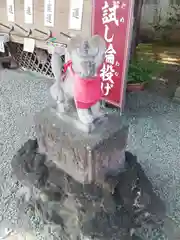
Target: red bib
point(87, 91)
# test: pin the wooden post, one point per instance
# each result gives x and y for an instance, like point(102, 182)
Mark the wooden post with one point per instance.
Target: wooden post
point(136, 28)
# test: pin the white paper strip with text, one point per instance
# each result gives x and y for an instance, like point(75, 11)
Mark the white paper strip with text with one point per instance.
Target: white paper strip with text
point(28, 11)
point(75, 15)
point(49, 8)
point(10, 10)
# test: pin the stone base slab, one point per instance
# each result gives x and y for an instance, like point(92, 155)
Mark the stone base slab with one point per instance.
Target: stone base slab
point(85, 157)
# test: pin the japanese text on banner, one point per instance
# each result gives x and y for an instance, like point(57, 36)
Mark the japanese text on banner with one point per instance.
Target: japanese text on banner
point(109, 15)
point(28, 11)
point(76, 14)
point(10, 10)
point(49, 6)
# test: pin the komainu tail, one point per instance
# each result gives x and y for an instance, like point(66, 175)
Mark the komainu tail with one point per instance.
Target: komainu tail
point(57, 65)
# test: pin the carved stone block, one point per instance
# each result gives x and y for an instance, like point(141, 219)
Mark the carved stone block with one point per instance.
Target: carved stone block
point(85, 157)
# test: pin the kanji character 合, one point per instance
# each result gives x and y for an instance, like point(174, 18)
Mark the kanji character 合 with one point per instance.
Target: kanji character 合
point(110, 49)
point(110, 13)
point(106, 34)
point(107, 73)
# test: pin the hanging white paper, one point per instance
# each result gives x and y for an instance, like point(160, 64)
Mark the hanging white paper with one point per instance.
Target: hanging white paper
point(28, 11)
point(2, 48)
point(29, 45)
point(75, 15)
point(10, 10)
point(49, 8)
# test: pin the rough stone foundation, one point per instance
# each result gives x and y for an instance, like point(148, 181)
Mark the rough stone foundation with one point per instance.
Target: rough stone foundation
point(85, 157)
point(71, 210)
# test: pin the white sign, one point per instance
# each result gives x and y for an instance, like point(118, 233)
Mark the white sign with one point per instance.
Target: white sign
point(29, 45)
point(75, 15)
point(28, 11)
point(10, 10)
point(49, 8)
point(2, 48)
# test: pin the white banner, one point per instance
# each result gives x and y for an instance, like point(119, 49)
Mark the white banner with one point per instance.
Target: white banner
point(29, 45)
point(28, 11)
point(49, 8)
point(10, 10)
point(2, 48)
point(75, 15)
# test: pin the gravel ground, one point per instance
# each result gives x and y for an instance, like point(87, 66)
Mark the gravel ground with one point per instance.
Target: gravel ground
point(154, 136)
point(21, 95)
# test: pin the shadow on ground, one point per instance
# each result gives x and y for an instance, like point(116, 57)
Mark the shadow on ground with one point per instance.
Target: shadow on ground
point(154, 138)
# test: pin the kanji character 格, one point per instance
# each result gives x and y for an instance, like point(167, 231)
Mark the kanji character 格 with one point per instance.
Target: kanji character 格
point(108, 40)
point(110, 13)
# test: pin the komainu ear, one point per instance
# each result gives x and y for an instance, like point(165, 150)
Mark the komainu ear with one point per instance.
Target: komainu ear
point(74, 43)
point(98, 42)
point(96, 49)
point(95, 42)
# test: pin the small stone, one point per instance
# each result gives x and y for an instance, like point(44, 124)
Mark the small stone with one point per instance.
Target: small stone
point(44, 197)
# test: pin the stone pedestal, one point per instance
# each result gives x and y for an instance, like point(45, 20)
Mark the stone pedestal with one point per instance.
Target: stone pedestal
point(83, 186)
point(85, 157)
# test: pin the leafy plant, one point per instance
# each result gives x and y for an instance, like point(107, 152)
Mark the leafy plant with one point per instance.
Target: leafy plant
point(143, 70)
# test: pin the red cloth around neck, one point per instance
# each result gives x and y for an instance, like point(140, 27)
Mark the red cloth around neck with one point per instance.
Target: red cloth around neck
point(87, 91)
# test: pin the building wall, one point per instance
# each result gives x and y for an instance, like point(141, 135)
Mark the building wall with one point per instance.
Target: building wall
point(150, 11)
point(62, 9)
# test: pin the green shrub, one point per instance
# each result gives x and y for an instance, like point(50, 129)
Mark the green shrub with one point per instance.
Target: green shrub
point(143, 70)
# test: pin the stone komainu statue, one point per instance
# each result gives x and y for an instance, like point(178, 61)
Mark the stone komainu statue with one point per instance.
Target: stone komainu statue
point(78, 79)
